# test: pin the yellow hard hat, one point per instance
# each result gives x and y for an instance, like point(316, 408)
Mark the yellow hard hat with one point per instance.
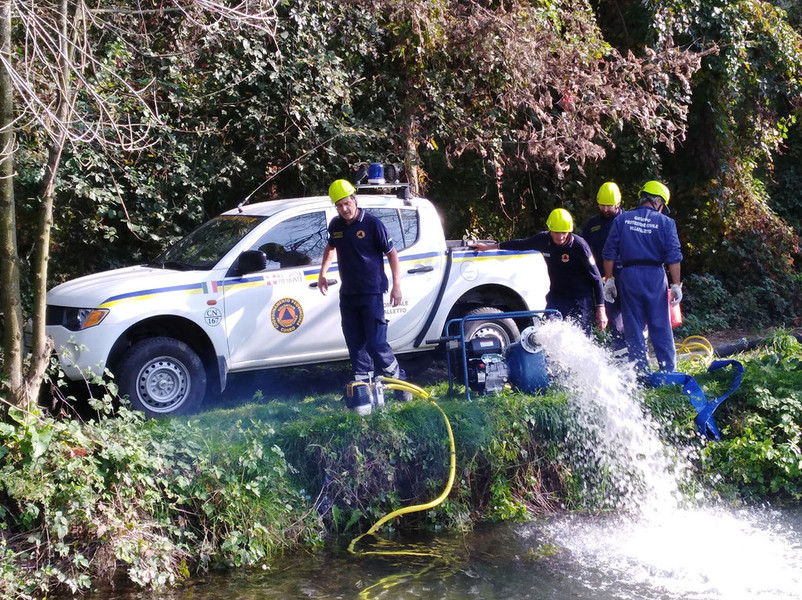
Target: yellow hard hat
point(609, 194)
point(560, 221)
point(340, 189)
point(655, 188)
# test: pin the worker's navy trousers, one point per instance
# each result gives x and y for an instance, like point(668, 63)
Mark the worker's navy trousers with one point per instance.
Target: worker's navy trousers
point(365, 331)
point(644, 302)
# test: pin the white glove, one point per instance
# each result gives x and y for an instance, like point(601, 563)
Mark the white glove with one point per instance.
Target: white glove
point(676, 294)
point(610, 293)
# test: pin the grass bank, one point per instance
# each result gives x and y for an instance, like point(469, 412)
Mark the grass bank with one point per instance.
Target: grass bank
point(82, 501)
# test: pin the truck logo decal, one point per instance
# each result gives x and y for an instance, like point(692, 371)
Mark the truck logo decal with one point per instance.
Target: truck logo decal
point(213, 316)
point(287, 315)
point(469, 271)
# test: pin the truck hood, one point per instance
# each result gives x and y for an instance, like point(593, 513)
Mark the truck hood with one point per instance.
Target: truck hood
point(91, 291)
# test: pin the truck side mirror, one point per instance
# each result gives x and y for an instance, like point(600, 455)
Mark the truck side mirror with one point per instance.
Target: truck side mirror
point(251, 261)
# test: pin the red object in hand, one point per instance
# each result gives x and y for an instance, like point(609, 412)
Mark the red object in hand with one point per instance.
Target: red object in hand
point(675, 312)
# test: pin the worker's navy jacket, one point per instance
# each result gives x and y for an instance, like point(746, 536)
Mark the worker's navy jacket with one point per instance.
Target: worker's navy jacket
point(572, 268)
point(643, 237)
point(361, 247)
point(595, 233)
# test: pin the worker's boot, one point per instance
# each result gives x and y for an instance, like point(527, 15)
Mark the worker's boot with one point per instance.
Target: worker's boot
point(358, 397)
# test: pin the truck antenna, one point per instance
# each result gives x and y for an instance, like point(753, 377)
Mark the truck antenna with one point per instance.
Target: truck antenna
point(277, 173)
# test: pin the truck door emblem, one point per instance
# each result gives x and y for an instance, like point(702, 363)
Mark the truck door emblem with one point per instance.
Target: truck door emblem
point(287, 315)
point(213, 316)
point(469, 271)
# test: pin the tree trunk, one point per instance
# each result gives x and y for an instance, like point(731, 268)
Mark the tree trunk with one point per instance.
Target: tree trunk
point(411, 157)
point(41, 346)
point(10, 295)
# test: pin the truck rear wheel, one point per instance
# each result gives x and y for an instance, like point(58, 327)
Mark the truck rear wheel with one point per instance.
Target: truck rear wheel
point(505, 330)
point(162, 377)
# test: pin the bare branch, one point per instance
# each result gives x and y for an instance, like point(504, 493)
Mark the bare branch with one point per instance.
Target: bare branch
point(57, 64)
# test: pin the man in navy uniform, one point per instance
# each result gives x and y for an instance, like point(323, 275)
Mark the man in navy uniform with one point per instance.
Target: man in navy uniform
point(595, 232)
point(360, 242)
point(646, 240)
point(575, 283)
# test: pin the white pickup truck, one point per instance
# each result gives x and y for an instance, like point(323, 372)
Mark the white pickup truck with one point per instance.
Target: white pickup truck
point(240, 293)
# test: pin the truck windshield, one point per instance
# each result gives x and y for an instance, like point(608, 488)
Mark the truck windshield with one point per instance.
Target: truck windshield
point(203, 248)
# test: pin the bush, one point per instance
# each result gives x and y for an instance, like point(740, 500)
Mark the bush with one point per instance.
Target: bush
point(709, 306)
point(706, 305)
point(760, 454)
point(159, 499)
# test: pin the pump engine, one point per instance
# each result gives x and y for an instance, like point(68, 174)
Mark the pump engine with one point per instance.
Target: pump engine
point(492, 368)
point(487, 369)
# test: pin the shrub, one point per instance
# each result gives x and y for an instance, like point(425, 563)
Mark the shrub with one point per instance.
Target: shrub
point(159, 499)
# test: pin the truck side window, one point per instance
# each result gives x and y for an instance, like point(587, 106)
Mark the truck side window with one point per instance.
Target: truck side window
point(402, 225)
point(295, 242)
point(409, 225)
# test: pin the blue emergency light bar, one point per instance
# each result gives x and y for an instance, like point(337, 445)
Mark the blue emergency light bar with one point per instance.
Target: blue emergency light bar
point(376, 174)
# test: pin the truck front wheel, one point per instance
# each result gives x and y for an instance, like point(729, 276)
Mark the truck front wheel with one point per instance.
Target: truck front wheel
point(162, 377)
point(503, 329)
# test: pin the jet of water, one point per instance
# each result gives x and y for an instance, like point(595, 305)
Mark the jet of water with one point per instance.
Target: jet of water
point(652, 541)
point(613, 442)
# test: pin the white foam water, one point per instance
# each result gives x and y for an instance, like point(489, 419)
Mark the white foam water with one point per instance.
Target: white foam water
point(610, 432)
point(651, 546)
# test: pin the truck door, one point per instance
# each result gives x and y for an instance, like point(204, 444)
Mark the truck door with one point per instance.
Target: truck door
point(421, 273)
point(278, 316)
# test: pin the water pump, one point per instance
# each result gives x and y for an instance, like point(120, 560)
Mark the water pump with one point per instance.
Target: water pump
point(526, 362)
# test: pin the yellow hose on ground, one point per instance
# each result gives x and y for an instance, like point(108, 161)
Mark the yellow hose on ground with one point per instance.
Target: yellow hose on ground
point(698, 349)
point(398, 384)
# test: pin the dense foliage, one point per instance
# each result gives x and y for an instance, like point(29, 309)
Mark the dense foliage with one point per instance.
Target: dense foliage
point(761, 455)
point(81, 502)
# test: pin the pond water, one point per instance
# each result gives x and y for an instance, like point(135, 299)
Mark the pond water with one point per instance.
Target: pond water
point(649, 543)
point(708, 555)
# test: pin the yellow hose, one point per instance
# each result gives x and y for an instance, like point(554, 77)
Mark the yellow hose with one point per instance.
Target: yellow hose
point(398, 384)
point(698, 349)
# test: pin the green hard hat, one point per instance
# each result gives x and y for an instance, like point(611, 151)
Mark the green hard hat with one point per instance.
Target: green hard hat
point(655, 188)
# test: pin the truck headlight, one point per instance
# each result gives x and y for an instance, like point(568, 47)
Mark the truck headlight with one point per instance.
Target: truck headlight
point(75, 319)
point(83, 318)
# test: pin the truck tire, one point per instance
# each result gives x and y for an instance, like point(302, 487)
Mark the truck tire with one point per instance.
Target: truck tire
point(162, 377)
point(504, 330)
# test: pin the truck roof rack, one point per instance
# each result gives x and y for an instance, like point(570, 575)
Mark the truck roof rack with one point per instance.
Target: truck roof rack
point(401, 189)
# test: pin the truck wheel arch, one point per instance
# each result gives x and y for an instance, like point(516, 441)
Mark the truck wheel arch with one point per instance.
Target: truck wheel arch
point(492, 298)
point(177, 328)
